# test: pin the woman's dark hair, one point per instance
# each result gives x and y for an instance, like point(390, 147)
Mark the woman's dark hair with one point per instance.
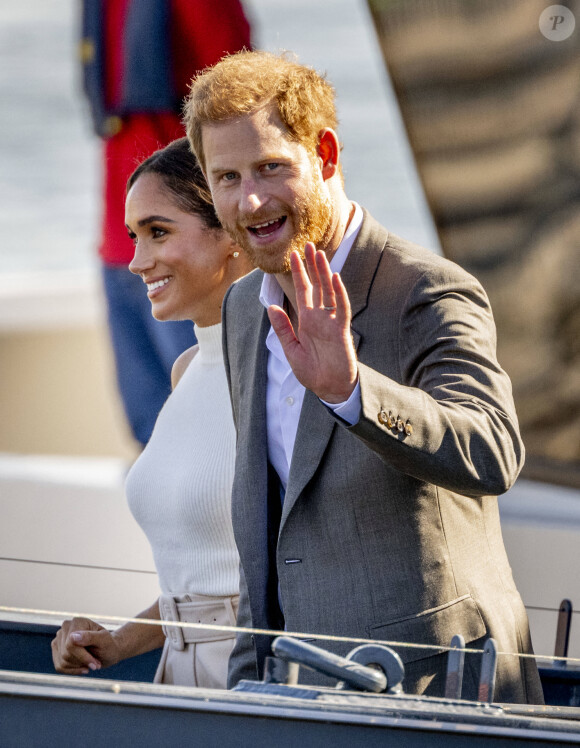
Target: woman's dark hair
point(181, 173)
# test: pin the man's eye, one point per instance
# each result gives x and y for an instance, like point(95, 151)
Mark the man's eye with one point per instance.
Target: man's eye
point(272, 166)
point(229, 176)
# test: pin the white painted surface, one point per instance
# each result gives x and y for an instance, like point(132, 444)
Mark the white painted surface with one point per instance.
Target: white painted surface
point(64, 300)
point(541, 529)
point(67, 539)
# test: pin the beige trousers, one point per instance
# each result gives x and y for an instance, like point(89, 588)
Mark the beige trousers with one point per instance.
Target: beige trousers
point(196, 657)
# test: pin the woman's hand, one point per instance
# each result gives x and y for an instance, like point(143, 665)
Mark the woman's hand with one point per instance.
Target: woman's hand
point(81, 645)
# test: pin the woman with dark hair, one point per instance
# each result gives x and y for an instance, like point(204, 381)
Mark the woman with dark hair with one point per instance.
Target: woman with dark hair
point(183, 504)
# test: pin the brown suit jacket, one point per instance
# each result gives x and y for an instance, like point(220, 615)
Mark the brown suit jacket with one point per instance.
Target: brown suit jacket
point(385, 534)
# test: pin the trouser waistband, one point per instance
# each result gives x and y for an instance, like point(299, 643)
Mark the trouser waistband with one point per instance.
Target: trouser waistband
point(218, 611)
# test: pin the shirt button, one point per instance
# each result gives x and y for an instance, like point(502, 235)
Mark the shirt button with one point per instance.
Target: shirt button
point(290, 401)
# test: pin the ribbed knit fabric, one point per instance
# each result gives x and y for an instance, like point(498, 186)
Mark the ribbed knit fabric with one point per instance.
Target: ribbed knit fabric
point(179, 489)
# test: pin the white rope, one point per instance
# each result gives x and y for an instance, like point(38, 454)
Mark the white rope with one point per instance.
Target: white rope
point(270, 632)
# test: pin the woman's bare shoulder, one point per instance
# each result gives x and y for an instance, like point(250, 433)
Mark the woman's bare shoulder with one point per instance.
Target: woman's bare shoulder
point(181, 363)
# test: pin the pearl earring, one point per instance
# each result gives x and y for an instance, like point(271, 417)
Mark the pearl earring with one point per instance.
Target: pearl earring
point(236, 254)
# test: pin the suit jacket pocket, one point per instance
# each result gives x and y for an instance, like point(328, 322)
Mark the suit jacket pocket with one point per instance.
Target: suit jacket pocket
point(435, 626)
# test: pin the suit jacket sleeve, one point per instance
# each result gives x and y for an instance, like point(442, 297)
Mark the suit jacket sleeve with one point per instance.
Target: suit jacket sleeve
point(447, 384)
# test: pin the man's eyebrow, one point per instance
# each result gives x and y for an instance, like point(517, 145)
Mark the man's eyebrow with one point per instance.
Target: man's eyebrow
point(219, 169)
point(263, 159)
point(152, 219)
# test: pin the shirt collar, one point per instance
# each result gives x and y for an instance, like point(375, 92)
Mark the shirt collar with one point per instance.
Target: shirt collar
point(271, 292)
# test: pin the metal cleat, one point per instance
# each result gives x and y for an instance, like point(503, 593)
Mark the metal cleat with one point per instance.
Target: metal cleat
point(455, 663)
point(352, 673)
point(563, 631)
point(383, 659)
point(488, 671)
point(280, 671)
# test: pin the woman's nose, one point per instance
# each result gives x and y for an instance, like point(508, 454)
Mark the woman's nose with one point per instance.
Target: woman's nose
point(142, 260)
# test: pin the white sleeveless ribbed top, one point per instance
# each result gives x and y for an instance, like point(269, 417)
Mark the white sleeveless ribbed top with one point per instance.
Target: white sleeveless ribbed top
point(179, 489)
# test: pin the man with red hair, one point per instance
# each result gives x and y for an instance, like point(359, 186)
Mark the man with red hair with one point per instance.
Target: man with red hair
point(375, 425)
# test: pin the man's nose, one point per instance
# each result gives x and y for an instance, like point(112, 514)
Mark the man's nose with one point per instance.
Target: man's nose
point(251, 198)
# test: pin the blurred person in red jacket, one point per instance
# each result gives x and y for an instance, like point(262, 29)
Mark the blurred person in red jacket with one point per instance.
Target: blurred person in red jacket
point(139, 57)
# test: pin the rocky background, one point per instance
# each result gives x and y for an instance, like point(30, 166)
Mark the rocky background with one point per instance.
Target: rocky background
point(492, 111)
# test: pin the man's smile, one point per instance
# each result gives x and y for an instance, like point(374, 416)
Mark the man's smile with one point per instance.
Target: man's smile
point(268, 227)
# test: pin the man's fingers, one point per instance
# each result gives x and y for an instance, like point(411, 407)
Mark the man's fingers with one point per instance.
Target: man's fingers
point(309, 253)
point(324, 275)
point(312, 270)
point(302, 284)
point(285, 332)
point(282, 326)
point(342, 302)
point(312, 279)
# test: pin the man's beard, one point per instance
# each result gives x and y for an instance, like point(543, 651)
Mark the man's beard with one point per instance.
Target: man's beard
point(313, 223)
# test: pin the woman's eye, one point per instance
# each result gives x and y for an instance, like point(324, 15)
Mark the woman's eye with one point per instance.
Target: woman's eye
point(132, 237)
point(229, 176)
point(157, 233)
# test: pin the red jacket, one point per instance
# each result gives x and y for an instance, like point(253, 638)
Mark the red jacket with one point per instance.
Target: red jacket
point(202, 31)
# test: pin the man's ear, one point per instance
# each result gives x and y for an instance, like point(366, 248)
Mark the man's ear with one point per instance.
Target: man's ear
point(328, 152)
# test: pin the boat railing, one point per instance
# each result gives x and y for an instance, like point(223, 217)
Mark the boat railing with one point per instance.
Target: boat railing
point(25, 636)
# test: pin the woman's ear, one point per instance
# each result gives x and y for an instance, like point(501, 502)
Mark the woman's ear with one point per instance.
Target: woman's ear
point(328, 152)
point(239, 263)
point(234, 249)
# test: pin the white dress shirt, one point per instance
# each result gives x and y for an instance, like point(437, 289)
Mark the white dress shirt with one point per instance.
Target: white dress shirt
point(284, 393)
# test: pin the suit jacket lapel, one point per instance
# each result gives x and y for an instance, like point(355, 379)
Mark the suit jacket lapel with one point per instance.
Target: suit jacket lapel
point(250, 516)
point(314, 431)
point(255, 400)
point(362, 261)
point(316, 425)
